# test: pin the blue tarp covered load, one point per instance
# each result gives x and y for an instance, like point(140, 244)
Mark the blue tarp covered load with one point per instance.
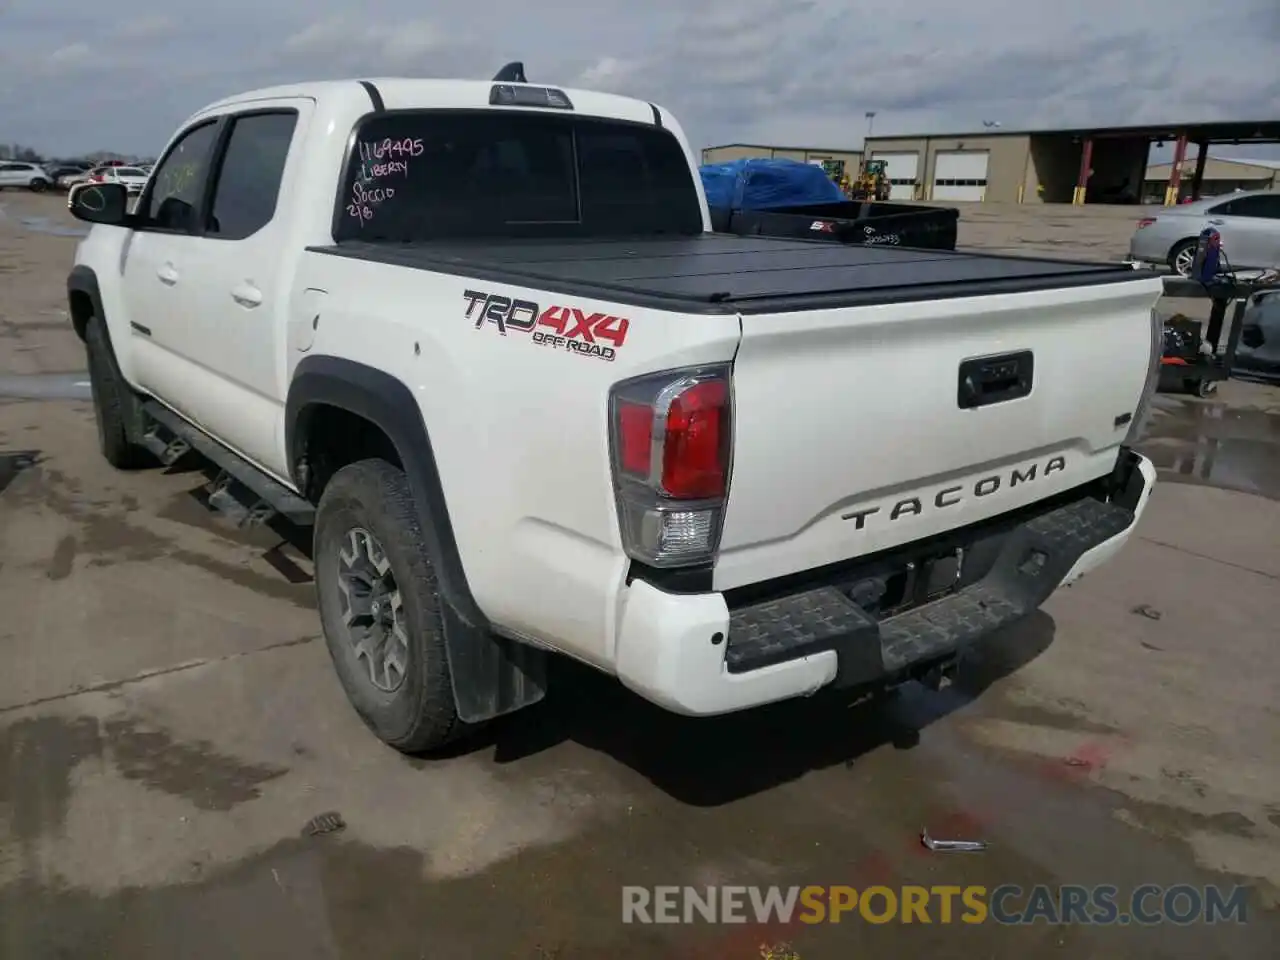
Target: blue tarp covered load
point(762, 184)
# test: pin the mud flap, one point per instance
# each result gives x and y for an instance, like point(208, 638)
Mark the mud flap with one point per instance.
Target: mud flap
point(491, 675)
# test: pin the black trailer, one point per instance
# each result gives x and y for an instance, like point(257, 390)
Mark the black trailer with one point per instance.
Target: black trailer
point(851, 221)
point(1184, 363)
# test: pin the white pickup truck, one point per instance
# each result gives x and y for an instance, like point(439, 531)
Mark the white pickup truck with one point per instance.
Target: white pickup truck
point(481, 336)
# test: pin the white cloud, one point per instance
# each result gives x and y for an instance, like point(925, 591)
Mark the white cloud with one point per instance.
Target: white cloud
point(608, 74)
point(72, 55)
point(323, 36)
point(394, 46)
point(150, 27)
point(783, 71)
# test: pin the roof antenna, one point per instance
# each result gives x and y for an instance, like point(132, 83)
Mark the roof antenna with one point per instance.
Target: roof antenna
point(512, 73)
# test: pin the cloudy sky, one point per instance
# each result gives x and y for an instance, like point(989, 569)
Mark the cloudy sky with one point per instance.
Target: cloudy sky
point(77, 75)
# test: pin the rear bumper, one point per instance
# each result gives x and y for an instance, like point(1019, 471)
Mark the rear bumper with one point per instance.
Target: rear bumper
point(693, 655)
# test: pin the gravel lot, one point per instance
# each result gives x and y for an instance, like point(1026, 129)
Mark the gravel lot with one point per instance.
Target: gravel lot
point(169, 723)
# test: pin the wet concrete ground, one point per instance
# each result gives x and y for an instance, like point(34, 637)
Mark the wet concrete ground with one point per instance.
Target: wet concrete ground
point(169, 724)
point(1216, 445)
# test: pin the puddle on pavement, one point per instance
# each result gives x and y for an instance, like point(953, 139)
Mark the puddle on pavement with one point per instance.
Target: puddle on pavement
point(46, 386)
point(322, 897)
point(46, 225)
point(106, 536)
point(1215, 445)
point(804, 793)
point(38, 755)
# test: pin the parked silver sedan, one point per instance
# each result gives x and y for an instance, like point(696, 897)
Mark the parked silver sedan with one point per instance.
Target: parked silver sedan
point(1249, 222)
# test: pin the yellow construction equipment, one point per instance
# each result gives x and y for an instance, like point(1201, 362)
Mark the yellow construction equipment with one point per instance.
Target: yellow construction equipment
point(872, 182)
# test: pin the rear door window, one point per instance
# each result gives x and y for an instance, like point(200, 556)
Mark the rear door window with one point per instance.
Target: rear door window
point(425, 175)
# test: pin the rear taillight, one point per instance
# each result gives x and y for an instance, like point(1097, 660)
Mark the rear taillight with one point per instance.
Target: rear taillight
point(1146, 222)
point(672, 436)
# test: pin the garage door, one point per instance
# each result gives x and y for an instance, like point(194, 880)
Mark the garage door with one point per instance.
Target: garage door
point(901, 169)
point(960, 175)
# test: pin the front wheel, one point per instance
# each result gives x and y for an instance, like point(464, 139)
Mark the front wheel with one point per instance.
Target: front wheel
point(380, 610)
point(39, 186)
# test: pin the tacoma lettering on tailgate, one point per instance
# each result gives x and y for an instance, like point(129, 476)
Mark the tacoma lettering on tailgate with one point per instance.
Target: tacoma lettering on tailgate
point(954, 495)
point(598, 335)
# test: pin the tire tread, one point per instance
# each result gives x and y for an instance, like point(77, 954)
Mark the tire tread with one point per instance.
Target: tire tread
point(383, 490)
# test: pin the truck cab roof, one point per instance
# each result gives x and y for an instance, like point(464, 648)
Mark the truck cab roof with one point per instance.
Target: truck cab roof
point(405, 93)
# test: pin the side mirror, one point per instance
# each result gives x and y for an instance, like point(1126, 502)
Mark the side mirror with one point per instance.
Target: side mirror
point(100, 203)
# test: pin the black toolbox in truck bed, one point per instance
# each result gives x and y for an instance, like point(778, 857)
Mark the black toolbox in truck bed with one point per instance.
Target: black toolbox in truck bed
point(722, 273)
point(851, 221)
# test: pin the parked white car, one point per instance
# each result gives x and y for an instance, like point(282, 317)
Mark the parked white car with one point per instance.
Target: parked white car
point(23, 175)
point(132, 178)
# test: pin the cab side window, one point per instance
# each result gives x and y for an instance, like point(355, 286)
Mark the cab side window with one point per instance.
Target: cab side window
point(249, 177)
point(173, 202)
point(1266, 207)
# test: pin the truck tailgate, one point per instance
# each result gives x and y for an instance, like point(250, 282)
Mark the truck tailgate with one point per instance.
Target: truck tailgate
point(858, 429)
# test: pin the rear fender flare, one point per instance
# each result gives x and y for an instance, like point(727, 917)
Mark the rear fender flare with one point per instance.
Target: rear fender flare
point(491, 675)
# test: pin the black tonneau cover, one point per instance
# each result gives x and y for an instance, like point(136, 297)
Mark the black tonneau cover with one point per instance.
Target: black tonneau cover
point(720, 273)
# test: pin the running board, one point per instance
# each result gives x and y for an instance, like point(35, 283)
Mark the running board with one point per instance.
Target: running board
point(242, 492)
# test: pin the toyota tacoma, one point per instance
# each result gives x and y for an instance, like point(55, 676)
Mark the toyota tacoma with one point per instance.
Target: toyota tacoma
point(480, 337)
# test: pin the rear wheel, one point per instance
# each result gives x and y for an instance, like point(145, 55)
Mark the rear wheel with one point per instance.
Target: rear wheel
point(110, 392)
point(1181, 257)
point(380, 608)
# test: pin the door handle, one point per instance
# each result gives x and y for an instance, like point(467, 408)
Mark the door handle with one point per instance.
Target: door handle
point(168, 274)
point(1216, 222)
point(246, 294)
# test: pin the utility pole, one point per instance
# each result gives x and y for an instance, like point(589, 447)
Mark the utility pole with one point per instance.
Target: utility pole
point(871, 121)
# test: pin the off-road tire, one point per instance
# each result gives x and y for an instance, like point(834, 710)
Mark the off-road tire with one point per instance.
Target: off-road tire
point(1179, 248)
point(373, 495)
point(110, 392)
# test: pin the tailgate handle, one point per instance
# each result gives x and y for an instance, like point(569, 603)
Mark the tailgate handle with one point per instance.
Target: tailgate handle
point(995, 379)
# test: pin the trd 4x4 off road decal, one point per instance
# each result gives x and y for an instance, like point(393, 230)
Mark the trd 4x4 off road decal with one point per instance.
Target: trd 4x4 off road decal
point(598, 335)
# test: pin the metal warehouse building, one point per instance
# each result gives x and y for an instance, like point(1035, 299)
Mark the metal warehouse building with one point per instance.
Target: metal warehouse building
point(1104, 165)
point(1221, 175)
